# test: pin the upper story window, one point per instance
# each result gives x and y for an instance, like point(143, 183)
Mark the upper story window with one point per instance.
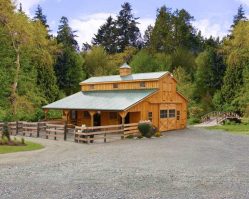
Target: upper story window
point(142, 84)
point(115, 85)
point(91, 87)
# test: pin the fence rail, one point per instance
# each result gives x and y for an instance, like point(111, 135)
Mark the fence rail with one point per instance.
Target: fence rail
point(221, 116)
point(56, 131)
point(90, 134)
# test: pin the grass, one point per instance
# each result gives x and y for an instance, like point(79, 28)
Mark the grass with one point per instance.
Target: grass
point(233, 128)
point(30, 146)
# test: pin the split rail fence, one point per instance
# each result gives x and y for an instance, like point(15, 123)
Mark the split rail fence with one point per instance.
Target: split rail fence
point(61, 131)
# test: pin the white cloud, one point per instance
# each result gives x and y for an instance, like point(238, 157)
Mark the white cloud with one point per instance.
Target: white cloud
point(27, 5)
point(88, 25)
point(208, 28)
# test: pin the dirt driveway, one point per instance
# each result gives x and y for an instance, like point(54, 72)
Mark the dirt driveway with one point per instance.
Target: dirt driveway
point(192, 163)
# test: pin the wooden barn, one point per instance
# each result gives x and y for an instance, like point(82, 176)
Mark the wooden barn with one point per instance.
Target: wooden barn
point(126, 98)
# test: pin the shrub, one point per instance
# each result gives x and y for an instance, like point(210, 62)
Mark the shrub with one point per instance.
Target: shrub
point(6, 132)
point(193, 120)
point(140, 137)
point(22, 141)
point(5, 140)
point(130, 137)
point(158, 134)
point(146, 129)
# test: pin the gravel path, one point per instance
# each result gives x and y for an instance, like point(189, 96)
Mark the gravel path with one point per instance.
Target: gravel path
point(192, 163)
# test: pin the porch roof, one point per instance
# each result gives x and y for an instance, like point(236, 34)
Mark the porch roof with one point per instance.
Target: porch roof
point(117, 100)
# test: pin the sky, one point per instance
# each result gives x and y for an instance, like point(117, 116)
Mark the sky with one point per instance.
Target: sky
point(212, 17)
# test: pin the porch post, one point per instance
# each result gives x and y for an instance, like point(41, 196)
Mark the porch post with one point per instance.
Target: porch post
point(92, 113)
point(123, 115)
point(66, 113)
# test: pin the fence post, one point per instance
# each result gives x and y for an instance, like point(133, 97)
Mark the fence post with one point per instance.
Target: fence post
point(38, 129)
point(46, 128)
point(65, 131)
point(16, 127)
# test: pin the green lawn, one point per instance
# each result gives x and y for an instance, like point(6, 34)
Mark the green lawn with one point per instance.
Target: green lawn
point(30, 146)
point(233, 128)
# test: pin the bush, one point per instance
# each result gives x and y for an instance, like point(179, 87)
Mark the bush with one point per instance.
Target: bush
point(193, 120)
point(158, 134)
point(6, 132)
point(146, 129)
point(130, 137)
point(4, 140)
point(23, 141)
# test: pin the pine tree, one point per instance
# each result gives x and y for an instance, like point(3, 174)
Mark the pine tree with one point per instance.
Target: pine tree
point(39, 16)
point(69, 63)
point(107, 36)
point(147, 36)
point(240, 16)
point(66, 35)
point(128, 33)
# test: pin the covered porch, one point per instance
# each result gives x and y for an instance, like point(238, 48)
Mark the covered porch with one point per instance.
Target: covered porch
point(101, 108)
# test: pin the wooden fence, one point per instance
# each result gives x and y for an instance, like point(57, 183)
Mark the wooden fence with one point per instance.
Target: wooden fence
point(91, 134)
point(56, 131)
point(32, 129)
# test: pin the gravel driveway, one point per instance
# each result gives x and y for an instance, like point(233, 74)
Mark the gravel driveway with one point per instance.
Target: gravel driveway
point(192, 163)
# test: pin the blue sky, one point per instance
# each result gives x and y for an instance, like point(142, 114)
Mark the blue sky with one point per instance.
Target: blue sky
point(212, 17)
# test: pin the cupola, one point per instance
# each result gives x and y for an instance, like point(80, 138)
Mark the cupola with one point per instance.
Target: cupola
point(125, 70)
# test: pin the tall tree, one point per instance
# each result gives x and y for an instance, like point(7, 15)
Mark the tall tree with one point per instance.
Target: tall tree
point(69, 63)
point(107, 36)
point(66, 35)
point(128, 33)
point(147, 36)
point(240, 16)
point(39, 16)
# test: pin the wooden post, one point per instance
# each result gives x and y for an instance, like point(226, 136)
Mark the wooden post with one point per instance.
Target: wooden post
point(16, 127)
point(65, 131)
point(46, 128)
point(38, 129)
point(123, 115)
point(92, 113)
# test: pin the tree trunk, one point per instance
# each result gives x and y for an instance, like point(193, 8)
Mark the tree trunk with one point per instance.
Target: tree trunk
point(15, 82)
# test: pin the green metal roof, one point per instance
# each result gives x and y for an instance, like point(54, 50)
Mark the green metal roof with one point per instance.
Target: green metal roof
point(101, 100)
point(118, 78)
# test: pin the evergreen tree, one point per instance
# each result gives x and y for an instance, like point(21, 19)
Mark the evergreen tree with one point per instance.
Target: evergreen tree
point(39, 16)
point(128, 33)
point(66, 35)
point(107, 36)
point(69, 64)
point(240, 16)
point(147, 36)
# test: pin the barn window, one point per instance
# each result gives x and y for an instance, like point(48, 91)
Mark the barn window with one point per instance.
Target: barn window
point(91, 87)
point(86, 114)
point(150, 116)
point(113, 115)
point(163, 113)
point(142, 84)
point(178, 115)
point(172, 113)
point(115, 85)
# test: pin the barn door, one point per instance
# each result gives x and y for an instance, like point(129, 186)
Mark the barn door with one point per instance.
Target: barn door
point(167, 115)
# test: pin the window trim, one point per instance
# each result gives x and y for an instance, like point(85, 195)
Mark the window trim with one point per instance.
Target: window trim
point(163, 114)
point(172, 113)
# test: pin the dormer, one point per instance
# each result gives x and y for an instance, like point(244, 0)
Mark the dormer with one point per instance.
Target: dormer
point(124, 70)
